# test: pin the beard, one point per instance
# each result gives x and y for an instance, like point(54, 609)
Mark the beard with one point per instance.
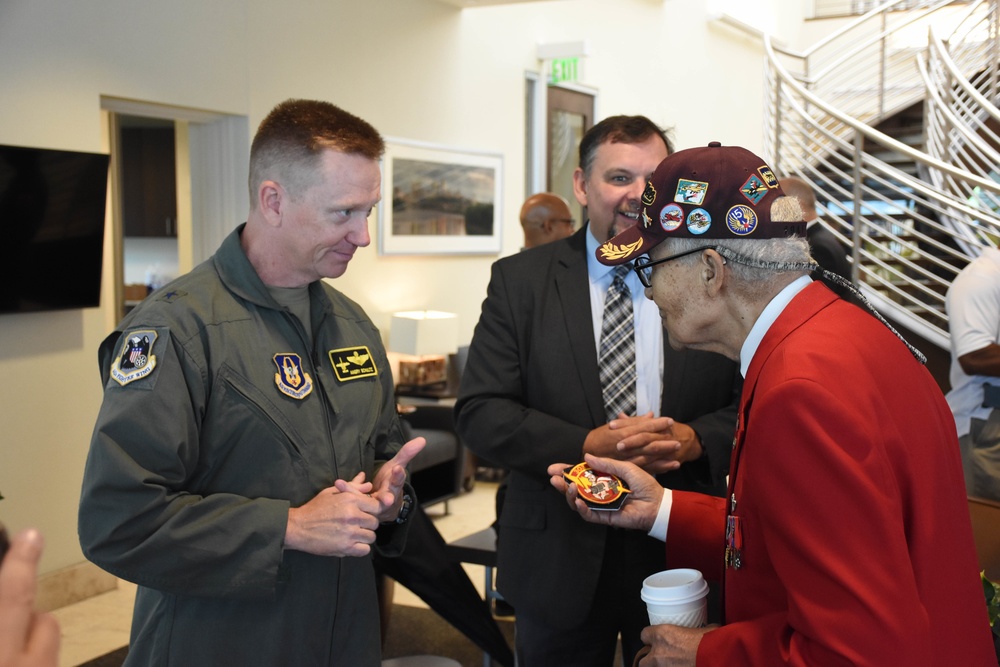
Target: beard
point(617, 227)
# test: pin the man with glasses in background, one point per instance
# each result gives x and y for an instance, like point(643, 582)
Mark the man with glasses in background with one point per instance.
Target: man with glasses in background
point(545, 217)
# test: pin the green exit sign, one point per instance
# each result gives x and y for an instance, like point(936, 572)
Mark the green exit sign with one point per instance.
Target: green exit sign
point(565, 69)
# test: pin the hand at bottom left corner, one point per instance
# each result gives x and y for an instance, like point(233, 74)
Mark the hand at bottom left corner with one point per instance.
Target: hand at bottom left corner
point(28, 638)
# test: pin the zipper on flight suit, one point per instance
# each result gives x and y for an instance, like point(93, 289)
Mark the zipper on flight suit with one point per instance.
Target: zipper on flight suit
point(316, 361)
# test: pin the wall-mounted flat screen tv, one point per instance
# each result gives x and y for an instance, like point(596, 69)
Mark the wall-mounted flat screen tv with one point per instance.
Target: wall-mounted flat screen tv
point(52, 205)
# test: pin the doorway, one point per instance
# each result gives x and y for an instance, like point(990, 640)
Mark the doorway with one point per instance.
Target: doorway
point(146, 175)
point(178, 187)
point(556, 118)
point(570, 113)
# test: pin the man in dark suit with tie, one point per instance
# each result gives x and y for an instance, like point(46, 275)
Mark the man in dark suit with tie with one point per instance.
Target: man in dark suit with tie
point(531, 394)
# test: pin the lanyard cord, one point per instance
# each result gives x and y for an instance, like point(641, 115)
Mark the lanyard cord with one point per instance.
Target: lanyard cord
point(833, 277)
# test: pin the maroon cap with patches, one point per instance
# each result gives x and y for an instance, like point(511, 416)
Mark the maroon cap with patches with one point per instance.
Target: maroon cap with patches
point(716, 192)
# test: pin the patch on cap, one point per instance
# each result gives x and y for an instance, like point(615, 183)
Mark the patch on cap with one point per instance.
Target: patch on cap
point(671, 217)
point(690, 192)
point(754, 189)
point(649, 194)
point(714, 192)
point(769, 178)
point(741, 220)
point(699, 221)
point(609, 253)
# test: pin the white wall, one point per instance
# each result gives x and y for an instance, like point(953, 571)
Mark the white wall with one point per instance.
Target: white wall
point(58, 58)
point(417, 69)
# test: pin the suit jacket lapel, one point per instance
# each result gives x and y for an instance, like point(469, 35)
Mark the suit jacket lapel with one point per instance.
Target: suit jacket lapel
point(573, 289)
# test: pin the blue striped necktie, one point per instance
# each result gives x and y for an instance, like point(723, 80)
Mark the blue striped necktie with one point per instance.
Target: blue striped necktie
point(617, 355)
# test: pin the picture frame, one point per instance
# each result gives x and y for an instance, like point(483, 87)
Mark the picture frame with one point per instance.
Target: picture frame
point(433, 196)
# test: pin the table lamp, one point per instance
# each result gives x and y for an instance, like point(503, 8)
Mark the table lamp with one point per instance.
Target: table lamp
point(424, 338)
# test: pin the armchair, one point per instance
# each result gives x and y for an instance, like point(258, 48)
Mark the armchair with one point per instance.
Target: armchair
point(436, 473)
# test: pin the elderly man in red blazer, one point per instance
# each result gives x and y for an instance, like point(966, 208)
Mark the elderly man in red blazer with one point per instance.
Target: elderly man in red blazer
point(844, 538)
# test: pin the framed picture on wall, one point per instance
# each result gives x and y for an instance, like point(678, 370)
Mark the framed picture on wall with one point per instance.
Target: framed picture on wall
point(439, 200)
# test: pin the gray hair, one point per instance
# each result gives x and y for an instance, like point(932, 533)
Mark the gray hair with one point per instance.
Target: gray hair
point(758, 265)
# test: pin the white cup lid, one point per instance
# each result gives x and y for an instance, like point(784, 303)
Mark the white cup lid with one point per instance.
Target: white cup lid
point(672, 586)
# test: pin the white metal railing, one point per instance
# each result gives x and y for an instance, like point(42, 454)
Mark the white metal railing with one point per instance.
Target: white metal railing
point(867, 68)
point(872, 192)
point(837, 8)
point(961, 123)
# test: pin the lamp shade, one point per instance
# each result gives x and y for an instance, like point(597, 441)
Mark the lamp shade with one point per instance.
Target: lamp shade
point(421, 332)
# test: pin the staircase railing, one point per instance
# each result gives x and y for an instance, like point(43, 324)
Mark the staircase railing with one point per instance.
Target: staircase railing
point(867, 68)
point(904, 256)
point(962, 123)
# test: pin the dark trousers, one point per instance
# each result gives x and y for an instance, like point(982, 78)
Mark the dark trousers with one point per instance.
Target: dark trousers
point(617, 610)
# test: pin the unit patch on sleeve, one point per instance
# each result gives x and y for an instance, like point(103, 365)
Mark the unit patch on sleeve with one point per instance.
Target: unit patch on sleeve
point(352, 363)
point(136, 359)
point(291, 379)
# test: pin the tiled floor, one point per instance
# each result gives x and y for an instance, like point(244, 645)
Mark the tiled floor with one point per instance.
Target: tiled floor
point(101, 624)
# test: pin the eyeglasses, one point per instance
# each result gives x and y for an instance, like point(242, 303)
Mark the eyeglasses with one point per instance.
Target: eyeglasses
point(568, 221)
point(644, 265)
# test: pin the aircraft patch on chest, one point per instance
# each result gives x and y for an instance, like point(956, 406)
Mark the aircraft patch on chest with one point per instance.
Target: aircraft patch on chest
point(353, 363)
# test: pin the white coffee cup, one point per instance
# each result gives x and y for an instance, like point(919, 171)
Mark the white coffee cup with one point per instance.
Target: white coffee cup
point(677, 597)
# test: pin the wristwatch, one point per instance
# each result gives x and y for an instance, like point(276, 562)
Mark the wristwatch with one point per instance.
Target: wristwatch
point(404, 510)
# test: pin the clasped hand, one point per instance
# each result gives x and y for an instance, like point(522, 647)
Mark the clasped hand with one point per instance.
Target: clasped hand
point(341, 520)
point(656, 444)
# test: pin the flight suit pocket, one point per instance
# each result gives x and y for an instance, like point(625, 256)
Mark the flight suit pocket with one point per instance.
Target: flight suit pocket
point(249, 446)
point(239, 393)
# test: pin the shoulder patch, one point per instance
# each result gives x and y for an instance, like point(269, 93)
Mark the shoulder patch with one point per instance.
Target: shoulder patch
point(136, 359)
point(352, 363)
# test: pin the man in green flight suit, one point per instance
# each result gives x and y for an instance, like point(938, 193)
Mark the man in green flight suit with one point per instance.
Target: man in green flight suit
point(248, 457)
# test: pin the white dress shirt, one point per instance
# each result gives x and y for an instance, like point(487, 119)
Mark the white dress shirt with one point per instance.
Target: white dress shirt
point(648, 329)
